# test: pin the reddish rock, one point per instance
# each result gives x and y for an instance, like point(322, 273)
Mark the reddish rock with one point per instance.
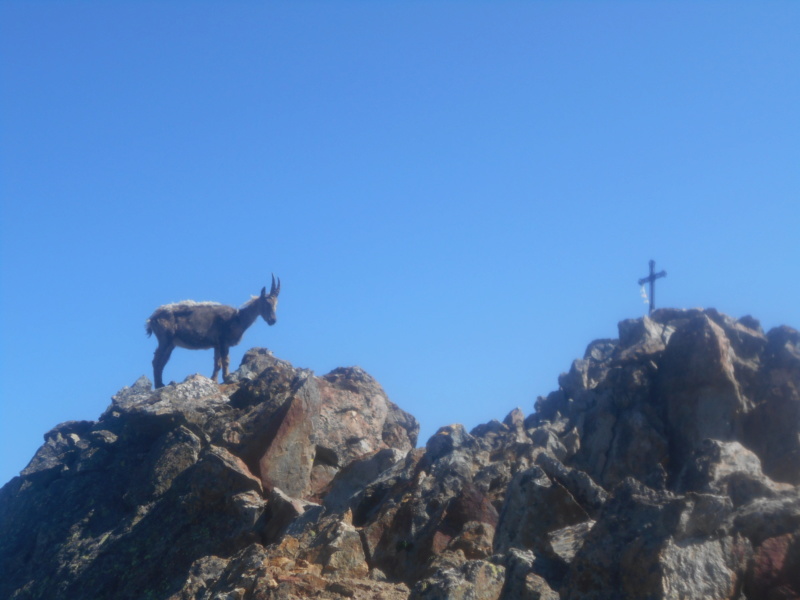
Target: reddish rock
point(775, 571)
point(297, 431)
point(665, 466)
point(697, 382)
point(639, 548)
point(771, 429)
point(289, 456)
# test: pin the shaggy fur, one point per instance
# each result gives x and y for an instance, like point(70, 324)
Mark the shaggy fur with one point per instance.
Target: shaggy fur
point(202, 325)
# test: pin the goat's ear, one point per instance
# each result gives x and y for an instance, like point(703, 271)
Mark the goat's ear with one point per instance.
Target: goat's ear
point(264, 292)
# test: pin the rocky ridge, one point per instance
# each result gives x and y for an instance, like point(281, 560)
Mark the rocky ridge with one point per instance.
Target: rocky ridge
point(666, 465)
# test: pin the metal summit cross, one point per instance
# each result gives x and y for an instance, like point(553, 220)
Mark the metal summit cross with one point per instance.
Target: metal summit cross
point(651, 279)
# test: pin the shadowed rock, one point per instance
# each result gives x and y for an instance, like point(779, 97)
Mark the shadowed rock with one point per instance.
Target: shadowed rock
point(664, 466)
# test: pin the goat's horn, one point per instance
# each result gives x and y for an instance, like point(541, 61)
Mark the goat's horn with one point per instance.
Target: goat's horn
point(276, 289)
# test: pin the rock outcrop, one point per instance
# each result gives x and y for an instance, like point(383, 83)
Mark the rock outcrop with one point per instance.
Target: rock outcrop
point(666, 465)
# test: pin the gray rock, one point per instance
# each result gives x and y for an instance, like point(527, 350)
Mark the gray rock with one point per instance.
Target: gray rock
point(446, 440)
point(699, 387)
point(665, 466)
point(350, 481)
point(535, 505)
point(563, 544)
point(522, 580)
point(639, 549)
point(471, 580)
point(583, 489)
point(730, 469)
point(282, 510)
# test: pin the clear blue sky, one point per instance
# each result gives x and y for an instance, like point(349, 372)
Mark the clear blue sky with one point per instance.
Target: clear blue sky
point(457, 196)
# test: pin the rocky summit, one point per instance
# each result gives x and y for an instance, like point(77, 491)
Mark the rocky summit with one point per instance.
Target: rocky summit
point(666, 465)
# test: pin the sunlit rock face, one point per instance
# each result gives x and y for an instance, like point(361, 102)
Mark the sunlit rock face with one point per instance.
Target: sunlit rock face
point(665, 465)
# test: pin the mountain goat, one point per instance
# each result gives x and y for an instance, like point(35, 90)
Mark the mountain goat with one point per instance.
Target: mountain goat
point(203, 325)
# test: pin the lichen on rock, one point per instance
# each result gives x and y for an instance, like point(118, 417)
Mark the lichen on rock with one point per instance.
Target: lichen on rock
point(665, 465)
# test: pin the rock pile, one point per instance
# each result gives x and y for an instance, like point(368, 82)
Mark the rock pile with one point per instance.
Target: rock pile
point(666, 465)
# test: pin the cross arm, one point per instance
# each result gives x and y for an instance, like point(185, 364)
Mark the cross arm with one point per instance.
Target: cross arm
point(653, 277)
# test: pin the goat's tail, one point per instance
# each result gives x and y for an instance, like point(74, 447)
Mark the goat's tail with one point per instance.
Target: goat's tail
point(148, 328)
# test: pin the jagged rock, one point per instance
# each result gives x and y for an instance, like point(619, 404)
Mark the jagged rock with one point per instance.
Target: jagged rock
point(282, 511)
point(709, 569)
point(298, 430)
point(563, 544)
point(666, 465)
point(774, 573)
point(515, 420)
point(637, 549)
point(348, 391)
point(727, 468)
point(254, 362)
point(193, 403)
point(535, 505)
point(288, 459)
point(547, 438)
point(170, 456)
point(644, 403)
point(537, 588)
point(613, 409)
point(446, 440)
point(777, 409)
point(475, 540)
point(469, 580)
point(337, 548)
point(287, 570)
point(170, 476)
point(699, 387)
point(356, 419)
point(203, 575)
point(642, 337)
point(522, 580)
point(62, 449)
point(436, 501)
point(351, 480)
point(583, 489)
point(769, 517)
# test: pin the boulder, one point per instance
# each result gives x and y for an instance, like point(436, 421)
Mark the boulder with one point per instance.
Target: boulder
point(665, 466)
point(535, 505)
point(468, 580)
point(698, 385)
point(774, 573)
point(640, 548)
point(730, 469)
point(771, 428)
point(297, 431)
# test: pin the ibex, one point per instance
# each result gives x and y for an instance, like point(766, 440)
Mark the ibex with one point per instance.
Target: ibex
point(203, 325)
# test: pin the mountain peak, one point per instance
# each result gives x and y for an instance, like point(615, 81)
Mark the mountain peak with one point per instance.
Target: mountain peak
point(667, 464)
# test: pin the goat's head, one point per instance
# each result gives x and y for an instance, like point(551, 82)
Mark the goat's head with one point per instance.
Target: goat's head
point(268, 303)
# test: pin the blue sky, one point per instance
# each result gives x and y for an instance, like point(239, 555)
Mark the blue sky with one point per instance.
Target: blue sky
point(457, 196)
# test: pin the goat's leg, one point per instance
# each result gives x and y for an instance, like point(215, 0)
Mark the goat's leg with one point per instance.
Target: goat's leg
point(226, 361)
point(217, 364)
point(160, 359)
